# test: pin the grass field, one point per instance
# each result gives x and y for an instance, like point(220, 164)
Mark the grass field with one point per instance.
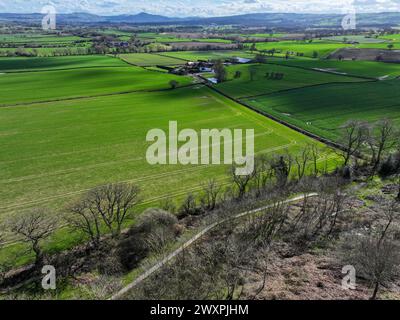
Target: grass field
point(148, 60)
point(207, 55)
point(305, 48)
point(53, 63)
point(293, 78)
point(54, 152)
point(62, 84)
point(322, 110)
point(357, 68)
point(355, 38)
point(37, 38)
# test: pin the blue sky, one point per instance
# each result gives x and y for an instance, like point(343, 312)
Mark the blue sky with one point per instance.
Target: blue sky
point(198, 7)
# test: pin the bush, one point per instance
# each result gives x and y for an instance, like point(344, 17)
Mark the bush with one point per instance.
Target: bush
point(154, 229)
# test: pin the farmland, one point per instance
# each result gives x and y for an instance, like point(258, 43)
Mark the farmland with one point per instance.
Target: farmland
point(45, 85)
point(369, 69)
point(148, 60)
point(322, 110)
point(301, 47)
point(76, 110)
point(79, 122)
point(55, 63)
point(207, 55)
point(261, 84)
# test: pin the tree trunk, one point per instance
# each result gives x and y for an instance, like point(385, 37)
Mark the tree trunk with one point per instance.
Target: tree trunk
point(375, 291)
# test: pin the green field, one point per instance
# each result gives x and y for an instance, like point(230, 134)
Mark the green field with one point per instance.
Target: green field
point(54, 63)
point(148, 60)
point(62, 84)
point(369, 69)
point(355, 38)
point(207, 55)
point(322, 110)
point(37, 38)
point(293, 78)
point(54, 152)
point(301, 47)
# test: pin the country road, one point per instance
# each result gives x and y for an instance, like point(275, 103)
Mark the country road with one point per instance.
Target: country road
point(171, 256)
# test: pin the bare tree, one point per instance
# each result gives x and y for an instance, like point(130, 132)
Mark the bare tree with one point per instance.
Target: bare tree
point(241, 182)
point(110, 206)
point(314, 154)
point(302, 161)
point(263, 173)
point(82, 218)
point(114, 203)
point(211, 191)
point(354, 135)
point(376, 260)
point(189, 206)
point(382, 138)
point(33, 227)
point(282, 168)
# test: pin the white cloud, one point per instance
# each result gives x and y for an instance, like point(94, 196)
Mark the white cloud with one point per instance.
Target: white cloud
point(198, 7)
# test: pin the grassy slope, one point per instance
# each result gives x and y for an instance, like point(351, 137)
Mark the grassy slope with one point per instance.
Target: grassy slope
point(53, 63)
point(52, 153)
point(147, 59)
point(324, 109)
point(52, 85)
point(207, 55)
point(294, 78)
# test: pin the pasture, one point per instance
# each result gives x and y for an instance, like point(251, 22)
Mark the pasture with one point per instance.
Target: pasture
point(322, 110)
point(301, 47)
point(54, 63)
point(52, 153)
point(207, 55)
point(261, 84)
point(355, 38)
point(150, 60)
point(38, 86)
point(369, 69)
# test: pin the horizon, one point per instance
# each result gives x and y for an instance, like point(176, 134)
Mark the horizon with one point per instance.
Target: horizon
point(200, 8)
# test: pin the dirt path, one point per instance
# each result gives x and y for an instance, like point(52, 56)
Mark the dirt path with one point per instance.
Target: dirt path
point(171, 256)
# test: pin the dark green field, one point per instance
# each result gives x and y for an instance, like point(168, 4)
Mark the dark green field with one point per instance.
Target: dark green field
point(322, 110)
point(293, 78)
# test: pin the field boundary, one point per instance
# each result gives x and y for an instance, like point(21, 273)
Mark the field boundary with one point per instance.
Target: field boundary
point(190, 242)
point(287, 124)
point(305, 87)
point(321, 71)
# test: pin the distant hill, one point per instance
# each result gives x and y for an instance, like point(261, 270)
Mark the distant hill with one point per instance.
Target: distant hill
point(288, 20)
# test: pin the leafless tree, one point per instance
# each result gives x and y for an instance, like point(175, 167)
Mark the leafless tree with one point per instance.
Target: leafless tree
point(302, 162)
point(211, 192)
point(354, 135)
point(189, 206)
point(263, 173)
point(314, 154)
point(33, 227)
point(80, 217)
point(318, 216)
point(282, 167)
point(114, 203)
point(382, 138)
point(376, 261)
point(241, 182)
